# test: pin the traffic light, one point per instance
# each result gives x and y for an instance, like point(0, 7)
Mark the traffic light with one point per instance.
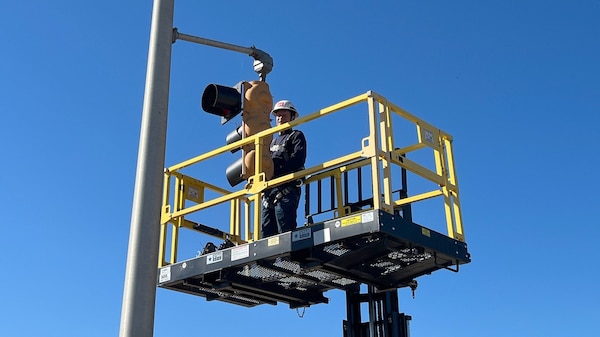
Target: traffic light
point(254, 100)
point(223, 101)
point(234, 136)
point(234, 172)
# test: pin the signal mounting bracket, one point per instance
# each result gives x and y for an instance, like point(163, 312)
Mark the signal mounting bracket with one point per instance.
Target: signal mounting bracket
point(263, 62)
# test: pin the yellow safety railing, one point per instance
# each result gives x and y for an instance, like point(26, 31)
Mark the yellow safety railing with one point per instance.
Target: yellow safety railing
point(185, 196)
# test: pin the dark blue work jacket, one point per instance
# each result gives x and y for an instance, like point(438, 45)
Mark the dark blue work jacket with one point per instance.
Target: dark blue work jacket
point(288, 151)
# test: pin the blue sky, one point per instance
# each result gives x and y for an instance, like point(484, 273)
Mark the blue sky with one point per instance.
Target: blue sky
point(517, 83)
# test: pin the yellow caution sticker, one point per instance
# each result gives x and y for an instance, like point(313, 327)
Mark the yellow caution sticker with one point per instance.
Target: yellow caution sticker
point(351, 221)
point(273, 241)
point(426, 232)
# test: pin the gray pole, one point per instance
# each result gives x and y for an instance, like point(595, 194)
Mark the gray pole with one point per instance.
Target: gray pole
point(139, 294)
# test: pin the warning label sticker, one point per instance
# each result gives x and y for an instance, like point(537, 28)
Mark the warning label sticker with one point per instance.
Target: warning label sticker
point(351, 221)
point(240, 252)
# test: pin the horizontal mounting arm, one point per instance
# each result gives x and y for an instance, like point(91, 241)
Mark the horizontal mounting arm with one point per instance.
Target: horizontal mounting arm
point(263, 62)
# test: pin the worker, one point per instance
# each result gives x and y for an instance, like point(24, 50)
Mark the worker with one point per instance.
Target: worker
point(288, 151)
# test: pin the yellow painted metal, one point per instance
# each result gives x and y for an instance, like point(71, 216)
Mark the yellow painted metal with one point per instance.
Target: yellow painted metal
point(387, 146)
point(370, 148)
point(162, 249)
point(175, 241)
point(453, 188)
point(234, 218)
point(209, 203)
point(339, 193)
point(256, 216)
point(246, 219)
point(410, 148)
point(418, 197)
point(164, 218)
point(418, 169)
point(428, 135)
point(350, 158)
point(387, 133)
point(179, 221)
point(185, 196)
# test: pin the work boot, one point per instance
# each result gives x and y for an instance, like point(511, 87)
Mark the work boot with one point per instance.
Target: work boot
point(226, 244)
point(209, 248)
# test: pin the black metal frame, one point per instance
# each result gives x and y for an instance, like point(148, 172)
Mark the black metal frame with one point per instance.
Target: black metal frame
point(380, 250)
point(385, 320)
point(372, 247)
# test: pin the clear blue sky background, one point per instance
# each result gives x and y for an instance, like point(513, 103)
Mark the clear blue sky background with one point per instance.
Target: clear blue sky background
point(517, 83)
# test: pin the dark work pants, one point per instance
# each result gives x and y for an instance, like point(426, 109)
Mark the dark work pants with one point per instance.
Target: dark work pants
point(281, 216)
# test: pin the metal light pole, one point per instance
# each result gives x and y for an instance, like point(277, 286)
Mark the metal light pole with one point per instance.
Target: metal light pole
point(139, 294)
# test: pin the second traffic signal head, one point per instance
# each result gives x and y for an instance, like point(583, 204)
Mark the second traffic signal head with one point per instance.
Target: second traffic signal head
point(234, 172)
point(223, 101)
point(234, 136)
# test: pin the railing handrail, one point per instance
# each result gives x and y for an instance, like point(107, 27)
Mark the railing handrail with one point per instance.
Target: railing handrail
point(371, 154)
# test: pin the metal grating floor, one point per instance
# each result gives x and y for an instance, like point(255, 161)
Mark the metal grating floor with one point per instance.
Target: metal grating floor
point(298, 267)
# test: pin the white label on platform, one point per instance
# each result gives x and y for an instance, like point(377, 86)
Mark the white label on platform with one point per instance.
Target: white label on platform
point(301, 234)
point(193, 192)
point(367, 217)
point(165, 274)
point(322, 236)
point(214, 258)
point(240, 252)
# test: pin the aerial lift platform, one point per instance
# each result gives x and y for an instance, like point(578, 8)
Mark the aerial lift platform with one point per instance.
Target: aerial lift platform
point(359, 227)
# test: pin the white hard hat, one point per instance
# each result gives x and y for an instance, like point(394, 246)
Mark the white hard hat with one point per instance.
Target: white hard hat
point(285, 105)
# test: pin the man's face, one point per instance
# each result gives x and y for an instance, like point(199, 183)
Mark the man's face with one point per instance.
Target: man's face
point(283, 116)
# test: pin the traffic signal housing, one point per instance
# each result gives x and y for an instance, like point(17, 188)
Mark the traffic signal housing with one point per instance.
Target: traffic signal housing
point(254, 100)
point(223, 101)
